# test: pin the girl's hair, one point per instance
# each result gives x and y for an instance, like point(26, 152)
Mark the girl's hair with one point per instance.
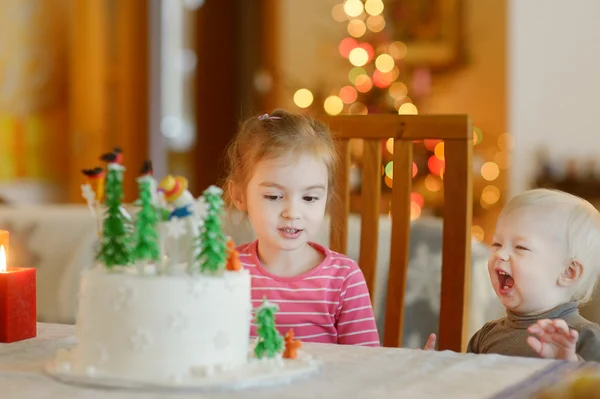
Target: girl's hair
point(271, 136)
point(577, 224)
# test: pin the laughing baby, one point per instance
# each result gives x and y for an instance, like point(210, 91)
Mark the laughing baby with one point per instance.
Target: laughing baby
point(545, 263)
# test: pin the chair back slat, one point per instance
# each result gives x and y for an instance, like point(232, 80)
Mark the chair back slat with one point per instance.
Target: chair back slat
point(340, 200)
point(456, 131)
point(396, 288)
point(456, 244)
point(370, 211)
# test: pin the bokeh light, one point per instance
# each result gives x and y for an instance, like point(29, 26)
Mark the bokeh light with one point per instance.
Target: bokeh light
point(408, 109)
point(303, 98)
point(353, 8)
point(397, 50)
point(376, 23)
point(490, 171)
point(346, 45)
point(385, 63)
point(333, 105)
point(374, 7)
point(356, 28)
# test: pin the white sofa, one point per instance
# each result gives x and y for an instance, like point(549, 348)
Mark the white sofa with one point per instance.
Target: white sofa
point(60, 242)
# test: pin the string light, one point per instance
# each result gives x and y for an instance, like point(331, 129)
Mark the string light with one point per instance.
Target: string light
point(356, 28)
point(438, 150)
point(333, 105)
point(398, 90)
point(353, 8)
point(505, 142)
point(374, 7)
point(408, 109)
point(477, 233)
point(358, 108)
point(490, 195)
point(432, 183)
point(363, 83)
point(397, 50)
point(385, 63)
point(490, 171)
point(358, 56)
point(338, 13)
point(376, 23)
point(348, 94)
point(303, 98)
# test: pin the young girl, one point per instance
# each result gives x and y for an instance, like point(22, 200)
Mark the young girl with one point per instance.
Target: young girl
point(281, 174)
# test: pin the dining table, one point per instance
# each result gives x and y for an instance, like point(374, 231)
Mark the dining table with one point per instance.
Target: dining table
point(345, 372)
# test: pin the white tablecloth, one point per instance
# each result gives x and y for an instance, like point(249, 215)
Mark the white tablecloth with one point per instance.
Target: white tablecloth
point(348, 372)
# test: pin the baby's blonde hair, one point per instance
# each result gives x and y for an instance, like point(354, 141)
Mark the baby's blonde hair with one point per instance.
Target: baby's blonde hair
point(275, 135)
point(580, 222)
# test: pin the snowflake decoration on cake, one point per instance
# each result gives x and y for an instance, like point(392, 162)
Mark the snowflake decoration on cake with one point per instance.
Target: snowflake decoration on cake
point(176, 228)
point(123, 297)
point(230, 282)
point(201, 209)
point(197, 287)
point(140, 341)
point(221, 341)
point(101, 353)
point(179, 322)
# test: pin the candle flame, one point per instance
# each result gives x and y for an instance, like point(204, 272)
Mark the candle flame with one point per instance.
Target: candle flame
point(2, 259)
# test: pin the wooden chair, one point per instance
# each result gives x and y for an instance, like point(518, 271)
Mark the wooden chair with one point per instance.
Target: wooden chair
point(456, 131)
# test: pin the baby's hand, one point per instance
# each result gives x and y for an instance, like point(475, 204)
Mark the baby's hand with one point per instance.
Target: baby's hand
point(555, 340)
point(430, 344)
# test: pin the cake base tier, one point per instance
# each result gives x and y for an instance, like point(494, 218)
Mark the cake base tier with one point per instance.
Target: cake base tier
point(257, 373)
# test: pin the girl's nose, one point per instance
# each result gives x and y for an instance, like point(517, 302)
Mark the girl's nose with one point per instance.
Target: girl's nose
point(291, 211)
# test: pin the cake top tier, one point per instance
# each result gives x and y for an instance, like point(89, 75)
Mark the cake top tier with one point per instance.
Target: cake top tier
point(170, 226)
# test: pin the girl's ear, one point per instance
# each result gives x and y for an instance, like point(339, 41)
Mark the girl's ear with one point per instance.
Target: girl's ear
point(237, 197)
point(571, 274)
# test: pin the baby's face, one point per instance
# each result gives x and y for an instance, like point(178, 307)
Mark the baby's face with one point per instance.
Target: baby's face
point(528, 255)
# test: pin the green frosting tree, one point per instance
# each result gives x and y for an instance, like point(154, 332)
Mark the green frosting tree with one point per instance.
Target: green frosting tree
point(115, 249)
point(213, 242)
point(270, 342)
point(146, 247)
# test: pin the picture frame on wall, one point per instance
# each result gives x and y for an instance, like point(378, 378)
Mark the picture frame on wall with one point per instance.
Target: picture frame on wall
point(432, 31)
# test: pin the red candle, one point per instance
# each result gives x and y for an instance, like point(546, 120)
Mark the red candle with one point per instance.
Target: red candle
point(17, 299)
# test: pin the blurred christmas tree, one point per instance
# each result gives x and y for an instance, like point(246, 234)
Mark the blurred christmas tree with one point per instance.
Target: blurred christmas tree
point(381, 80)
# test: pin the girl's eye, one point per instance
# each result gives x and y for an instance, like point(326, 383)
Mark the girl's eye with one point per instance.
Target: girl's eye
point(272, 197)
point(522, 248)
point(309, 198)
point(496, 245)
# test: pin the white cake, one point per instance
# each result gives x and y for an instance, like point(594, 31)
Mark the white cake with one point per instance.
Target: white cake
point(183, 322)
point(158, 328)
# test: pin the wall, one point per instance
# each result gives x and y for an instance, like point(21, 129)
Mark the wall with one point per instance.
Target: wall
point(553, 82)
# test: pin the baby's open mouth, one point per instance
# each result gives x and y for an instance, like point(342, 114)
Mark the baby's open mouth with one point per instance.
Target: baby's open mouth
point(505, 279)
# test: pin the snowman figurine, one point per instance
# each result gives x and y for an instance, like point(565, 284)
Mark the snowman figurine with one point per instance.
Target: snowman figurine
point(182, 225)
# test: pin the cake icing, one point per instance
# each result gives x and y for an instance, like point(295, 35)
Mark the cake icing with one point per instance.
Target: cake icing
point(161, 327)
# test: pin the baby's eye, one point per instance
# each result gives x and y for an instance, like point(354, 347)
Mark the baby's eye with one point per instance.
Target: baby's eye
point(272, 197)
point(496, 245)
point(310, 198)
point(522, 248)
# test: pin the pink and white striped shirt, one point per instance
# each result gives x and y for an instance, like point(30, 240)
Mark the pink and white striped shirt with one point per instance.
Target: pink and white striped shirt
point(329, 304)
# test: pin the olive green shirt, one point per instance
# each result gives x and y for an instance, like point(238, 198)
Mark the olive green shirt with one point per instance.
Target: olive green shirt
point(508, 336)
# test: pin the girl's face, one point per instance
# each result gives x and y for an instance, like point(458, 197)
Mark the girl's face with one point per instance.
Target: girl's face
point(285, 200)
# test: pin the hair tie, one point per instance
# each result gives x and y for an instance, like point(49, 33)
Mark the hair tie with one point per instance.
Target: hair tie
point(266, 116)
